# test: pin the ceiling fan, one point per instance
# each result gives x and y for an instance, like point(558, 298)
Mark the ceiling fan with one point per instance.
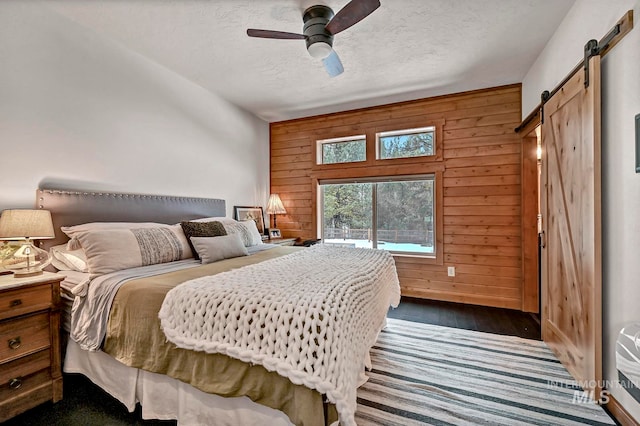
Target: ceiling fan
point(320, 25)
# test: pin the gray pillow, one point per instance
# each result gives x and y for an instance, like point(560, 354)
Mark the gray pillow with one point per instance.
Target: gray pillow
point(202, 229)
point(212, 249)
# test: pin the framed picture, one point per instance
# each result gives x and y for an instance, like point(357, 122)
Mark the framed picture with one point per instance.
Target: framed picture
point(274, 233)
point(250, 213)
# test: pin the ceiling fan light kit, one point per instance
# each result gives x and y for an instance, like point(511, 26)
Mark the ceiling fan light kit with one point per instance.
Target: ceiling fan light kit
point(319, 40)
point(319, 50)
point(320, 25)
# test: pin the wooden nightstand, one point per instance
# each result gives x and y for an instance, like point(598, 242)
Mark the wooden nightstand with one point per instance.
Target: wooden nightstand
point(30, 372)
point(282, 241)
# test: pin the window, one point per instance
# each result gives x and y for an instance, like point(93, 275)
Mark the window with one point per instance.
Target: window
point(342, 150)
point(401, 208)
point(406, 143)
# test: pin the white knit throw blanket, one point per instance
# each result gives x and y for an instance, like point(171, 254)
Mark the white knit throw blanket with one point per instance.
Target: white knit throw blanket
point(311, 316)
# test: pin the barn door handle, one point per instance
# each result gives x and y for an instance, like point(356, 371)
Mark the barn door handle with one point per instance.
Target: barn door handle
point(543, 242)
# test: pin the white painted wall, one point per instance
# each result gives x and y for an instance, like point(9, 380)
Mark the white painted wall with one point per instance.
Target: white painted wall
point(592, 19)
point(78, 110)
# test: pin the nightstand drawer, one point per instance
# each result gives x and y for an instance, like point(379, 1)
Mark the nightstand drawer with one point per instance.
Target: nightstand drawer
point(19, 385)
point(30, 371)
point(24, 300)
point(24, 335)
point(24, 366)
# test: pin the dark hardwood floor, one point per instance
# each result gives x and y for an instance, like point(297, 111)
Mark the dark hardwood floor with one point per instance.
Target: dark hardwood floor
point(469, 317)
point(85, 404)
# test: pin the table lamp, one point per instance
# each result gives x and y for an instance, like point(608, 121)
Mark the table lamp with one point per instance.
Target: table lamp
point(275, 207)
point(24, 225)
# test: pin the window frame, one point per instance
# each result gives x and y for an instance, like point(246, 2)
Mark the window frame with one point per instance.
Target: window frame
point(320, 143)
point(438, 198)
point(438, 135)
point(369, 131)
point(403, 132)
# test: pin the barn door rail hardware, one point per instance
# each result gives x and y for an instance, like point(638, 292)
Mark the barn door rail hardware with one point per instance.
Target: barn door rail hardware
point(591, 48)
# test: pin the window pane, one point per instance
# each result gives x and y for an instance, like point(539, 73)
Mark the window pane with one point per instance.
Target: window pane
point(344, 152)
point(408, 143)
point(405, 216)
point(346, 214)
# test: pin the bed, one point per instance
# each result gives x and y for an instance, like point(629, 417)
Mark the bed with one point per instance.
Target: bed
point(146, 350)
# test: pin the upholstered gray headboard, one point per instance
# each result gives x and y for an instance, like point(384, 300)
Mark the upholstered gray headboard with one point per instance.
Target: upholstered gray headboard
point(75, 207)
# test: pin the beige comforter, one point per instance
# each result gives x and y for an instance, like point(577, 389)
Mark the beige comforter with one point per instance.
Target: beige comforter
point(134, 337)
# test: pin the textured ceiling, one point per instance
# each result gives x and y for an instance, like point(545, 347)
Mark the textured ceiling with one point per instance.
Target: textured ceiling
point(406, 49)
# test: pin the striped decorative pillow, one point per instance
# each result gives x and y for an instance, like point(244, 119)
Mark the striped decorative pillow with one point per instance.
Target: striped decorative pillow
point(110, 250)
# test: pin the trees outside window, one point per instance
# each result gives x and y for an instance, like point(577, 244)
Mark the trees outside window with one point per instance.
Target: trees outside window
point(402, 210)
point(406, 143)
point(342, 150)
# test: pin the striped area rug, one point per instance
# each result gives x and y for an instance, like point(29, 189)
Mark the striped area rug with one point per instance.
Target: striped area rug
point(426, 374)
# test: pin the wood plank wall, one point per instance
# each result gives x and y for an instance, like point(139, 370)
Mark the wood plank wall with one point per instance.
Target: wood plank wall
point(480, 168)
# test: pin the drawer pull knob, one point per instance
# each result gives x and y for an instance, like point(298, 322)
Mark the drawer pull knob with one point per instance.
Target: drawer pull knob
point(15, 383)
point(15, 343)
point(15, 303)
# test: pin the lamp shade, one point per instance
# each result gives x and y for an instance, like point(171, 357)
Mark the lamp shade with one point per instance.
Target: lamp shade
point(22, 224)
point(274, 206)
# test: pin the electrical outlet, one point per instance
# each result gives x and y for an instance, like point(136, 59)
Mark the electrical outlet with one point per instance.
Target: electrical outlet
point(451, 271)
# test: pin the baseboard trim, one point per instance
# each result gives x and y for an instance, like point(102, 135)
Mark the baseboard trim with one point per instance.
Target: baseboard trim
point(619, 413)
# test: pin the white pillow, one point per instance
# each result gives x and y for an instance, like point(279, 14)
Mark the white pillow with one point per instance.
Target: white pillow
point(73, 231)
point(247, 230)
point(68, 260)
point(110, 250)
point(212, 249)
point(251, 225)
point(59, 265)
point(249, 235)
point(214, 219)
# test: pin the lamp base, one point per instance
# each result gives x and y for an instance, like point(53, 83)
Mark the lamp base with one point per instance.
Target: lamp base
point(26, 274)
point(27, 261)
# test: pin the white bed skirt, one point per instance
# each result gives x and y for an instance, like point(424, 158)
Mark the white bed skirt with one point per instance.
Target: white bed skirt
point(165, 398)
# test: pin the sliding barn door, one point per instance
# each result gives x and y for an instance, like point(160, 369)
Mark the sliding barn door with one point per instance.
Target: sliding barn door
point(571, 257)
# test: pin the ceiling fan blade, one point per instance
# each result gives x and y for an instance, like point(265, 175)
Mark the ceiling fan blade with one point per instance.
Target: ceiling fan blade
point(354, 12)
point(274, 34)
point(333, 65)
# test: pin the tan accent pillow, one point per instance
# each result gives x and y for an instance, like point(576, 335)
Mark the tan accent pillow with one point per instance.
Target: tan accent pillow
point(213, 249)
point(110, 250)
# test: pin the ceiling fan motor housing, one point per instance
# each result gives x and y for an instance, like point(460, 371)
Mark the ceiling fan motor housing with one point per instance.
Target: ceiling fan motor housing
point(319, 40)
